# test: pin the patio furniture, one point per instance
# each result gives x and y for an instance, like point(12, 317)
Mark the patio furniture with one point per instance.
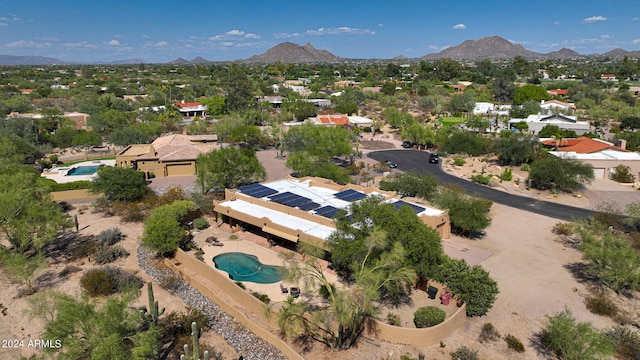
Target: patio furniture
point(284, 289)
point(295, 292)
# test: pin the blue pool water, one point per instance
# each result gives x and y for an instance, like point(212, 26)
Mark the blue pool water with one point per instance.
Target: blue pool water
point(245, 267)
point(83, 170)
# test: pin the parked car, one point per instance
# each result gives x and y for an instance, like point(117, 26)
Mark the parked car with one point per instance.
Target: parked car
point(434, 158)
point(391, 164)
point(407, 144)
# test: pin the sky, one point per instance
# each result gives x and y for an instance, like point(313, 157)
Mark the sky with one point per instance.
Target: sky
point(88, 31)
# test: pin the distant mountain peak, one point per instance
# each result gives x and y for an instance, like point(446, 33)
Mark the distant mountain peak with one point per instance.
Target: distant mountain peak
point(492, 47)
point(288, 52)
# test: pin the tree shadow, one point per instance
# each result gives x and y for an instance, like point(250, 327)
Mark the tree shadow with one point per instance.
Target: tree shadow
point(48, 280)
point(537, 343)
point(582, 273)
point(69, 246)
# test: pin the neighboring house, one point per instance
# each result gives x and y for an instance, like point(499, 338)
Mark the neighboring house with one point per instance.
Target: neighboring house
point(557, 106)
point(558, 92)
point(79, 119)
point(189, 110)
point(602, 155)
point(360, 121)
point(169, 155)
point(331, 120)
point(483, 108)
point(538, 122)
point(608, 77)
point(303, 210)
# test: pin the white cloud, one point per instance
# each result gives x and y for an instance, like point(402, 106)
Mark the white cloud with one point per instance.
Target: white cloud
point(343, 30)
point(556, 23)
point(4, 24)
point(113, 42)
point(28, 44)
point(635, 41)
point(160, 44)
point(81, 44)
point(459, 27)
point(380, 25)
point(145, 36)
point(227, 44)
point(593, 19)
point(605, 36)
point(432, 47)
point(234, 35)
point(634, 18)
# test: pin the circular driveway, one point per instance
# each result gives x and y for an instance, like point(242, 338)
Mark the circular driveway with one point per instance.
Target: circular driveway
point(419, 161)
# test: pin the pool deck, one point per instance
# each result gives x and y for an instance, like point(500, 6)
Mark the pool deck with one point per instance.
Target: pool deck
point(252, 244)
point(59, 174)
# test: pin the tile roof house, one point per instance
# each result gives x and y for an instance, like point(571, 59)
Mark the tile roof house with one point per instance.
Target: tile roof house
point(557, 106)
point(602, 155)
point(191, 109)
point(332, 120)
point(168, 155)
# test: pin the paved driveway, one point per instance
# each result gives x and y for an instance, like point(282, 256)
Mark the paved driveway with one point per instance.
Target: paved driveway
point(604, 193)
point(419, 161)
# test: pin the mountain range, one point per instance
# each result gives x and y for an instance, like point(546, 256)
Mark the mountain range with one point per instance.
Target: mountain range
point(493, 47)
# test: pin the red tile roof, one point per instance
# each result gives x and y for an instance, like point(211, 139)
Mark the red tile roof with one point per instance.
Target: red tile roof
point(188, 104)
point(558, 92)
point(333, 119)
point(581, 145)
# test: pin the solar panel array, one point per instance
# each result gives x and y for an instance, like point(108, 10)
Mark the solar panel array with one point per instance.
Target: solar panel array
point(327, 211)
point(418, 209)
point(257, 190)
point(350, 195)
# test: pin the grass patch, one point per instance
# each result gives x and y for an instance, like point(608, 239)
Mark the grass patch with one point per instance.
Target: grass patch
point(451, 121)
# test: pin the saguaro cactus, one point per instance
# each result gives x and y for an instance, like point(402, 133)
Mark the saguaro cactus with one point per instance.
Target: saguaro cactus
point(153, 313)
point(195, 334)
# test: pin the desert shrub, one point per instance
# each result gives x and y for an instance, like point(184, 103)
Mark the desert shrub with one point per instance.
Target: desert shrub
point(428, 316)
point(600, 303)
point(574, 341)
point(488, 333)
point(525, 167)
point(514, 343)
point(233, 237)
point(199, 254)
point(200, 223)
point(69, 269)
point(203, 202)
point(262, 297)
point(622, 174)
point(626, 343)
point(464, 353)
point(85, 248)
point(393, 319)
point(507, 175)
point(123, 279)
point(110, 236)
point(109, 254)
point(481, 179)
point(98, 282)
point(562, 229)
point(458, 161)
point(241, 285)
point(131, 212)
point(180, 323)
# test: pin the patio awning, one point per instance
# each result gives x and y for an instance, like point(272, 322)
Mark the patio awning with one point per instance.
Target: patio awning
point(280, 234)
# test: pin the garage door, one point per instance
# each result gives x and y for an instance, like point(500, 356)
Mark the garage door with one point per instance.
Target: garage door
point(184, 169)
point(598, 173)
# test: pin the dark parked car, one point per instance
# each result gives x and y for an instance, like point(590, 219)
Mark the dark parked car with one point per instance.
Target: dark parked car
point(434, 158)
point(406, 144)
point(391, 164)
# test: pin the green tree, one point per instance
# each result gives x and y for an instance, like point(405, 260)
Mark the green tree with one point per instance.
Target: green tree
point(462, 103)
point(411, 184)
point(249, 136)
point(118, 183)
point(29, 218)
point(420, 135)
point(347, 107)
point(398, 118)
point(228, 168)
point(630, 122)
point(565, 174)
point(311, 148)
point(530, 92)
point(574, 341)
point(87, 138)
point(516, 149)
point(64, 137)
point(465, 142)
point(216, 105)
point(468, 214)
point(239, 89)
point(164, 229)
point(503, 89)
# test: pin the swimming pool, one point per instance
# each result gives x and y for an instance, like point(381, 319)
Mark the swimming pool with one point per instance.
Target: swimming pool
point(246, 267)
point(83, 170)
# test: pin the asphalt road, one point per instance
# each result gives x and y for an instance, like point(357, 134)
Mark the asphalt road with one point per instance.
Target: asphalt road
point(419, 161)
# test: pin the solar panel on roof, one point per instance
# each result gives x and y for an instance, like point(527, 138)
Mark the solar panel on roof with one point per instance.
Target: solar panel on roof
point(350, 195)
point(280, 196)
point(308, 206)
point(257, 190)
point(418, 209)
point(297, 201)
point(327, 211)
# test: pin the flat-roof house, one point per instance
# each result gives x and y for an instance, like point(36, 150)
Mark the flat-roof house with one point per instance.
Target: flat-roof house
point(602, 155)
point(170, 155)
point(556, 106)
point(537, 122)
point(303, 210)
point(79, 119)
